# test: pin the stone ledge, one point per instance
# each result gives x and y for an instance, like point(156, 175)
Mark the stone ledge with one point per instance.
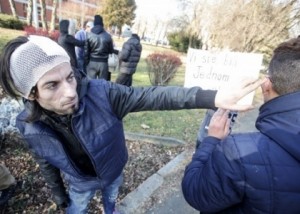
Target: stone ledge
point(167, 141)
point(132, 202)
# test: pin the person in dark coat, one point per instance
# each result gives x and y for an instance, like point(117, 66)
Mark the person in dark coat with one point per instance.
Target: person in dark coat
point(67, 40)
point(73, 127)
point(98, 45)
point(256, 172)
point(129, 57)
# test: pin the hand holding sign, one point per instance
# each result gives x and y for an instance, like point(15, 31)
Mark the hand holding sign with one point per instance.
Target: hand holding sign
point(233, 74)
point(230, 96)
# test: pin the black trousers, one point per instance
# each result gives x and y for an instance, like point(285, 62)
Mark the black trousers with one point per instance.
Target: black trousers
point(124, 79)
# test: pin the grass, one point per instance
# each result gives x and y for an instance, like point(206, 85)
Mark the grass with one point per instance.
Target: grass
point(182, 124)
point(7, 34)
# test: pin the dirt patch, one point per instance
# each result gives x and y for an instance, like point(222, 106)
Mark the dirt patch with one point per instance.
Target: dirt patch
point(33, 196)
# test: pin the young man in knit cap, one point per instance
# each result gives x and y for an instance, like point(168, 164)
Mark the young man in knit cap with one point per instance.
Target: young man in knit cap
point(256, 172)
point(98, 46)
point(74, 127)
point(129, 56)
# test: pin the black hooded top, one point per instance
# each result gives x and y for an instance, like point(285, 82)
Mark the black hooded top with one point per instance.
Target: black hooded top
point(68, 42)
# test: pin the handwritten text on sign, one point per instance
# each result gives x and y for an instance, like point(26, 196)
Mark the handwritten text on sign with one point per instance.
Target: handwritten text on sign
point(213, 70)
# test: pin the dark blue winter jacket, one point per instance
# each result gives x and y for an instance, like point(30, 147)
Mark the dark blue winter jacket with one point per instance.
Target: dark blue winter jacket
point(98, 127)
point(251, 172)
point(130, 54)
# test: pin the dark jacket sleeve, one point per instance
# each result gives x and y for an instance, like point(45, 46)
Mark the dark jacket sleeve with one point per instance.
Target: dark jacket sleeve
point(213, 181)
point(125, 53)
point(116, 51)
point(111, 49)
point(72, 40)
point(50, 173)
point(87, 50)
point(133, 99)
point(53, 179)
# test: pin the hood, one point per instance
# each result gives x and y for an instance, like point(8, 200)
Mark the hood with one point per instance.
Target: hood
point(97, 29)
point(134, 35)
point(279, 119)
point(135, 39)
point(72, 27)
point(98, 20)
point(64, 26)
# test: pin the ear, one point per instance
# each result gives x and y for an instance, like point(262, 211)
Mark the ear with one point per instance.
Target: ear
point(31, 97)
point(267, 86)
point(33, 94)
point(268, 91)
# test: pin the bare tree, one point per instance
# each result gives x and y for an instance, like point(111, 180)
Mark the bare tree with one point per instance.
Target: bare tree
point(29, 12)
point(194, 26)
point(253, 25)
point(190, 21)
point(140, 26)
point(53, 15)
point(13, 8)
point(43, 15)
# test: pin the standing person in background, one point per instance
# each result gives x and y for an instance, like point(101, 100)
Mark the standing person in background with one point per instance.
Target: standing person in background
point(129, 56)
point(81, 36)
point(98, 46)
point(255, 172)
point(7, 186)
point(67, 40)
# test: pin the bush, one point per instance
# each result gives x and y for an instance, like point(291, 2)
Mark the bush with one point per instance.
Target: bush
point(30, 30)
point(7, 21)
point(162, 67)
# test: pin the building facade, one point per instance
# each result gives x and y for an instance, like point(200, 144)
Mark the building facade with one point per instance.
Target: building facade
point(79, 10)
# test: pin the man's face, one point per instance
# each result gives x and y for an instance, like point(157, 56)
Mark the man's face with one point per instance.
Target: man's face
point(88, 28)
point(57, 90)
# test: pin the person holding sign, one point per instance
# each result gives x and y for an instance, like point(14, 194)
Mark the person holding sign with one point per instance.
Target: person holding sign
point(254, 172)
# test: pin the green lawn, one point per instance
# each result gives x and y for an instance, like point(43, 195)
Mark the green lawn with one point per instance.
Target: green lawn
point(181, 124)
point(7, 34)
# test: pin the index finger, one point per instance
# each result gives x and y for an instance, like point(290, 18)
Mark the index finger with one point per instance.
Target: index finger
point(250, 84)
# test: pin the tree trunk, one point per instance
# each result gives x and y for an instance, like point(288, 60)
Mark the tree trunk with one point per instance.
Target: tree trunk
point(29, 12)
point(53, 15)
point(13, 8)
point(43, 15)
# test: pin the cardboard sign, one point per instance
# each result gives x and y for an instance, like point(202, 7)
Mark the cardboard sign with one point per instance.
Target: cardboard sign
point(213, 70)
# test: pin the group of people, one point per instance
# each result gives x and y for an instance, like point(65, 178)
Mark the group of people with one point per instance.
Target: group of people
point(91, 47)
point(73, 127)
